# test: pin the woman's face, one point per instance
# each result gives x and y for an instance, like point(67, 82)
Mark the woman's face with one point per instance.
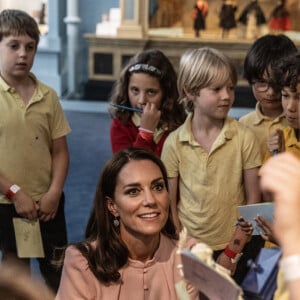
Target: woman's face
point(144, 88)
point(140, 200)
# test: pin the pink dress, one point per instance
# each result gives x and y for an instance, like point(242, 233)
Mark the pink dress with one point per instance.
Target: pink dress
point(152, 280)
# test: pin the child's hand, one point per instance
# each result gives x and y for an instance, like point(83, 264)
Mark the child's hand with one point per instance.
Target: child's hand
point(25, 206)
point(280, 176)
point(150, 116)
point(267, 228)
point(48, 206)
point(275, 142)
point(245, 226)
point(240, 238)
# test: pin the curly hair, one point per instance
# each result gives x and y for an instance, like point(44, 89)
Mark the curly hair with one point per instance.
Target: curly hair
point(172, 113)
point(287, 72)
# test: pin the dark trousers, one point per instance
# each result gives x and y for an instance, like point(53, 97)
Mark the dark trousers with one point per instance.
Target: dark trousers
point(54, 236)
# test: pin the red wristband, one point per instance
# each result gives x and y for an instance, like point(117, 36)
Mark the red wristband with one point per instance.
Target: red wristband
point(146, 135)
point(12, 191)
point(9, 194)
point(229, 253)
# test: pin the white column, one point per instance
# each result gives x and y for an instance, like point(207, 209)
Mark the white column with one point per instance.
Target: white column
point(134, 18)
point(72, 20)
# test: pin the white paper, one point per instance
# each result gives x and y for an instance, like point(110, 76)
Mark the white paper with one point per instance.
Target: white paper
point(28, 238)
point(206, 279)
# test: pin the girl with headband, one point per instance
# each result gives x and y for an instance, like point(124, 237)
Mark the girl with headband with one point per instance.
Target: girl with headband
point(144, 105)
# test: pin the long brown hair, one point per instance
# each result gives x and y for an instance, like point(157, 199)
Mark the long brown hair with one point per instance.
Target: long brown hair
point(103, 248)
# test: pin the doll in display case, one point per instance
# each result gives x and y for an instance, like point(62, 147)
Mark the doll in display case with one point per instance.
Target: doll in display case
point(280, 18)
point(227, 16)
point(253, 20)
point(200, 11)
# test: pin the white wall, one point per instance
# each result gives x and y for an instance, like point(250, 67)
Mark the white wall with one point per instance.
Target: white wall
point(27, 5)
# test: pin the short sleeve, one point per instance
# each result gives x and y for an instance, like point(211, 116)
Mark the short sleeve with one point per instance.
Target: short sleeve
point(169, 155)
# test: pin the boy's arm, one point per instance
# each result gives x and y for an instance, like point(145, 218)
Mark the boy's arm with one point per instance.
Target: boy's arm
point(173, 195)
point(24, 205)
point(60, 163)
point(251, 183)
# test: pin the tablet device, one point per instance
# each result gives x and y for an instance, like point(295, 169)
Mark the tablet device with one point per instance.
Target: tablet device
point(250, 211)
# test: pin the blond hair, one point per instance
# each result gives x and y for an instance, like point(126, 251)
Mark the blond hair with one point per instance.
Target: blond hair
point(200, 68)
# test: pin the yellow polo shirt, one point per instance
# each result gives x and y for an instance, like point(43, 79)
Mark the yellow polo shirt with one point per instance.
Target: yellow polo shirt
point(26, 135)
point(262, 126)
point(282, 291)
point(211, 184)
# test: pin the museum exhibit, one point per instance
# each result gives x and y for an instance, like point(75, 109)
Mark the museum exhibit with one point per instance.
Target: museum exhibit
point(168, 26)
point(84, 44)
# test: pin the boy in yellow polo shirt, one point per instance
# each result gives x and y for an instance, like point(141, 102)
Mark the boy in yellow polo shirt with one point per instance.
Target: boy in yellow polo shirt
point(212, 160)
point(34, 155)
point(261, 57)
point(287, 76)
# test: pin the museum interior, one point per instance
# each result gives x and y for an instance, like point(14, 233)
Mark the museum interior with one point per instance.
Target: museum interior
point(86, 43)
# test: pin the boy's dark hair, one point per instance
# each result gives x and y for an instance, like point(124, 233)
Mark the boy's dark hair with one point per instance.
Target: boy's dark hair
point(17, 22)
point(287, 72)
point(265, 53)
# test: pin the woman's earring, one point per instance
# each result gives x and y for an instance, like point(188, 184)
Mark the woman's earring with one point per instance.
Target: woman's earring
point(116, 222)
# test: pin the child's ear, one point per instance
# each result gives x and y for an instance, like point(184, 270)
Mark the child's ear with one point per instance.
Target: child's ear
point(190, 95)
point(111, 206)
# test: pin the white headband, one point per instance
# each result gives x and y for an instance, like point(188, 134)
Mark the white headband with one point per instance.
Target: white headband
point(144, 68)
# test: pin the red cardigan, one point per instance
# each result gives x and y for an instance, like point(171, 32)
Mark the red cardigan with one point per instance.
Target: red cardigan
point(122, 136)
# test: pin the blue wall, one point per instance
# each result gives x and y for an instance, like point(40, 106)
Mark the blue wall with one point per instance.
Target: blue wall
point(90, 12)
point(51, 60)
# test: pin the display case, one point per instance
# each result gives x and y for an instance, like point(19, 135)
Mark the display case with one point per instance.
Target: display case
point(170, 31)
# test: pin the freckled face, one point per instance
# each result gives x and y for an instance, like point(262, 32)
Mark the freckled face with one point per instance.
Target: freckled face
point(141, 200)
point(144, 88)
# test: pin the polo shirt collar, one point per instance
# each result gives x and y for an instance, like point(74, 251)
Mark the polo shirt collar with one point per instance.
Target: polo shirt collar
point(40, 90)
point(38, 94)
point(259, 117)
point(4, 86)
point(291, 139)
point(185, 131)
point(186, 135)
